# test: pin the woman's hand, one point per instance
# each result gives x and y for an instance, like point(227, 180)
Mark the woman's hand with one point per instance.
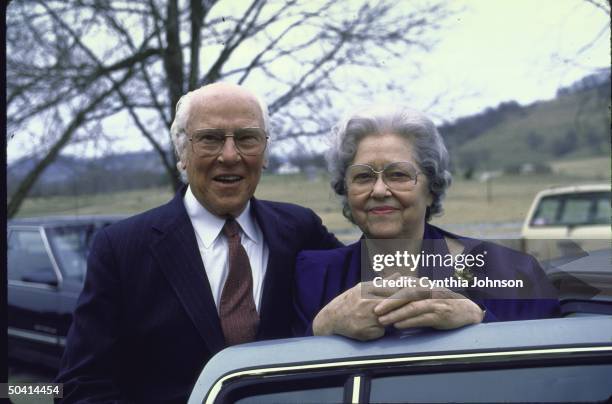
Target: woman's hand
point(352, 313)
point(441, 308)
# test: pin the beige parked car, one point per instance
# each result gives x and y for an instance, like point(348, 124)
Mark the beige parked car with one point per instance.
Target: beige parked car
point(568, 218)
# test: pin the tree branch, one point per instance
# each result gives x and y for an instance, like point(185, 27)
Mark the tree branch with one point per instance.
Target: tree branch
point(79, 118)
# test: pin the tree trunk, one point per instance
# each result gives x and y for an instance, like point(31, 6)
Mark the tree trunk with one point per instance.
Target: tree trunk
point(173, 56)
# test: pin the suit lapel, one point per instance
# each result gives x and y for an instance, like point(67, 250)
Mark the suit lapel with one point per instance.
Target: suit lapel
point(436, 237)
point(279, 277)
point(176, 251)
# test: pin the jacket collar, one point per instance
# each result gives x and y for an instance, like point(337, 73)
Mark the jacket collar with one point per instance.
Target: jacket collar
point(278, 235)
point(433, 242)
point(176, 251)
point(434, 232)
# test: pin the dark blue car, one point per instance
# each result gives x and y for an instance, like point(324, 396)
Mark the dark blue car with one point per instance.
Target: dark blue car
point(552, 360)
point(46, 260)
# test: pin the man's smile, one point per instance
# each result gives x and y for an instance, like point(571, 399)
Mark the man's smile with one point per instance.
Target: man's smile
point(228, 178)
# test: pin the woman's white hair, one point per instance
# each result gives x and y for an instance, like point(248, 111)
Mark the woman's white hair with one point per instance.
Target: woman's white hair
point(429, 150)
point(180, 138)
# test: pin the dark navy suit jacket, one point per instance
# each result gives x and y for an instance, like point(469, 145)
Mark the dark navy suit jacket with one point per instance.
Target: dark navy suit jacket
point(323, 275)
point(146, 322)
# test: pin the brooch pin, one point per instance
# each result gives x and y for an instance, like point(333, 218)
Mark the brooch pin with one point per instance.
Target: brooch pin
point(464, 274)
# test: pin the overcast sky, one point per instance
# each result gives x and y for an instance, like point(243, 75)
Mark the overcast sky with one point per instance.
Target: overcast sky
point(492, 51)
point(501, 50)
point(505, 50)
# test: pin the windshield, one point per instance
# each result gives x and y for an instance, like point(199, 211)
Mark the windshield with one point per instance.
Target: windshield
point(589, 208)
point(71, 245)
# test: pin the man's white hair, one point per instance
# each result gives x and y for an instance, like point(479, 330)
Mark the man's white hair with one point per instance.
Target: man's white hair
point(178, 131)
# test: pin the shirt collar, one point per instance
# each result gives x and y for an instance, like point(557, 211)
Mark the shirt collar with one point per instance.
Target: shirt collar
point(208, 226)
point(246, 220)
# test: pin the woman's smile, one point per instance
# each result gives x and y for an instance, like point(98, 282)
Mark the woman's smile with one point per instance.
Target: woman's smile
point(383, 210)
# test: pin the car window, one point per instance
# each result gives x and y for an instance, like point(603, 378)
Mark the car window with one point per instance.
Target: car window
point(28, 259)
point(70, 246)
point(546, 213)
point(603, 212)
point(576, 211)
point(315, 396)
point(535, 384)
point(587, 208)
point(309, 388)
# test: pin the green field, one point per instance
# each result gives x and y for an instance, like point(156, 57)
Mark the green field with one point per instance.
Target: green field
point(503, 201)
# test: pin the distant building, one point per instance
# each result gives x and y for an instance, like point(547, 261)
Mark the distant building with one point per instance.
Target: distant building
point(528, 168)
point(489, 175)
point(288, 168)
point(312, 172)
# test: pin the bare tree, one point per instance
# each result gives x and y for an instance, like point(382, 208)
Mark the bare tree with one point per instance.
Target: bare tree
point(602, 7)
point(76, 62)
point(587, 99)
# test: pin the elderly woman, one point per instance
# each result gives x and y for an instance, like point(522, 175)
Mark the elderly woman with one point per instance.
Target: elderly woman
point(390, 167)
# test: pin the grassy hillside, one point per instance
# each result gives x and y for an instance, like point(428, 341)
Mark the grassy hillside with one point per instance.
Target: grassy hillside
point(571, 126)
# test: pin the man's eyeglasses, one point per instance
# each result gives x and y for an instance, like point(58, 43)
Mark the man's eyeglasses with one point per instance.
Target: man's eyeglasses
point(247, 141)
point(398, 176)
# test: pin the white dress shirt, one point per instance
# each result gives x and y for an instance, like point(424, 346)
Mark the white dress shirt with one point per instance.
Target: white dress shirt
point(213, 246)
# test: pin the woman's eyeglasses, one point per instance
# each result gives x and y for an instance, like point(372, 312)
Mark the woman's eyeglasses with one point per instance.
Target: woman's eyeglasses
point(398, 176)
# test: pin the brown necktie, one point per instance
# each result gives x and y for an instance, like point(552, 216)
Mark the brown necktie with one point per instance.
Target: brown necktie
point(239, 318)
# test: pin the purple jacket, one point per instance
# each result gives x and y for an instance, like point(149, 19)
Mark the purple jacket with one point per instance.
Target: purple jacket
point(323, 275)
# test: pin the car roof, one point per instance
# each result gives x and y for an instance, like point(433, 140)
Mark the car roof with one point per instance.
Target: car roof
point(592, 262)
point(63, 220)
point(511, 335)
point(586, 279)
point(575, 189)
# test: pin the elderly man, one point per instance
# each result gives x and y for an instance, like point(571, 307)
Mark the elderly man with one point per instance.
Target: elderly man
point(167, 289)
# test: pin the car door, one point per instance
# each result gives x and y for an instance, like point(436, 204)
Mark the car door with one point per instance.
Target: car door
point(547, 360)
point(33, 284)
point(576, 374)
point(70, 245)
